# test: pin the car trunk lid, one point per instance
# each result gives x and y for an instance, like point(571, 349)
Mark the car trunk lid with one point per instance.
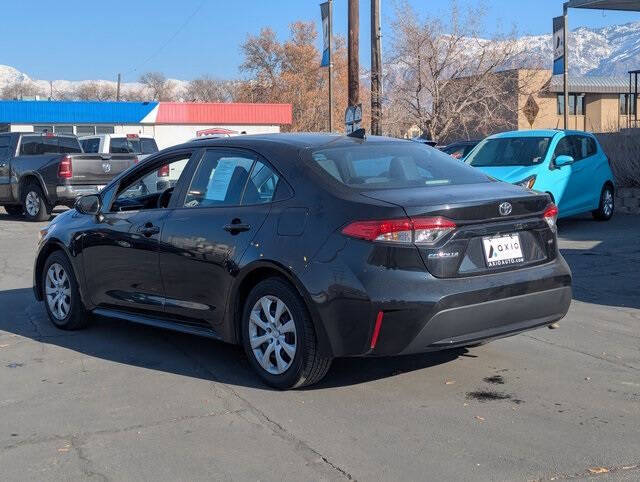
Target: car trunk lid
point(99, 169)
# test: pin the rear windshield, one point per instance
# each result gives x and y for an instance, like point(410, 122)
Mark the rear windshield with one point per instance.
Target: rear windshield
point(133, 145)
point(510, 151)
point(36, 145)
point(394, 165)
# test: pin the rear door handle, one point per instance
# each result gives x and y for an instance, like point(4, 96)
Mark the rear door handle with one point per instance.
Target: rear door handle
point(237, 227)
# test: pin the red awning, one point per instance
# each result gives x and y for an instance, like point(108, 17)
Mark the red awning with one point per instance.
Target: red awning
point(226, 114)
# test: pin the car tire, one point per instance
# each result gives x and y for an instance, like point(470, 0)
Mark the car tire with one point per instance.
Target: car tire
point(34, 203)
point(61, 295)
point(14, 210)
point(606, 205)
point(288, 324)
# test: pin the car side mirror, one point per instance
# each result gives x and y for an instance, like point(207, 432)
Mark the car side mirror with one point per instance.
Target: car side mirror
point(89, 204)
point(563, 160)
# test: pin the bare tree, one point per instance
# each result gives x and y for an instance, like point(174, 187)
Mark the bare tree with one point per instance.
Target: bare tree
point(444, 78)
point(19, 90)
point(208, 89)
point(159, 87)
point(95, 91)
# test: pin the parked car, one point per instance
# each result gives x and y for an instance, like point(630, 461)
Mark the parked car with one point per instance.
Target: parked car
point(568, 165)
point(41, 171)
point(306, 247)
point(459, 150)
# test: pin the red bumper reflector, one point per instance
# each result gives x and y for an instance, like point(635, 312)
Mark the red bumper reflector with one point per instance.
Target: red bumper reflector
point(376, 330)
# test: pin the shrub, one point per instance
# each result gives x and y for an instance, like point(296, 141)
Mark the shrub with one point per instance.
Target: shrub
point(623, 150)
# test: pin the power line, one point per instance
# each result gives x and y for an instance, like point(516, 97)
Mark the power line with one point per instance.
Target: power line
point(169, 40)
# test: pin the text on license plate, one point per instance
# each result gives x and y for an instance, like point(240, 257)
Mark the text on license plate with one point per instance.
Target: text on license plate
point(502, 250)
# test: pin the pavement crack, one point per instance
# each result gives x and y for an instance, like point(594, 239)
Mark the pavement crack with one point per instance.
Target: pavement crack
point(86, 463)
point(593, 473)
point(613, 362)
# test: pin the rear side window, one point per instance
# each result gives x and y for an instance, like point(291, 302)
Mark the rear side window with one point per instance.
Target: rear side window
point(121, 145)
point(69, 145)
point(91, 145)
point(5, 146)
point(148, 146)
point(393, 165)
point(36, 145)
point(220, 180)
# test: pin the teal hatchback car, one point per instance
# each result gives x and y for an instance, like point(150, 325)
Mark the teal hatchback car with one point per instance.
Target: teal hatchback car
point(568, 165)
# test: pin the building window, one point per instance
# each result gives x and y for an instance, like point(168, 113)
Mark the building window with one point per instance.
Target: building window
point(85, 130)
point(576, 104)
point(42, 128)
point(105, 130)
point(63, 129)
point(624, 104)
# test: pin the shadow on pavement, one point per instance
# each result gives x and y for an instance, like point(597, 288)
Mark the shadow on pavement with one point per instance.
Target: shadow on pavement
point(182, 354)
point(604, 258)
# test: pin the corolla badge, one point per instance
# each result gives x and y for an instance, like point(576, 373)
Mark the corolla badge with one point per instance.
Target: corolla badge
point(505, 209)
point(106, 167)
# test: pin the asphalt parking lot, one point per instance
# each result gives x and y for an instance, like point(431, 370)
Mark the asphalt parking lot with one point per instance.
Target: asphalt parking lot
point(125, 402)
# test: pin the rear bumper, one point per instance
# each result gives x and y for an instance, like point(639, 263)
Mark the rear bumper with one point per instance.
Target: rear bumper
point(69, 193)
point(480, 322)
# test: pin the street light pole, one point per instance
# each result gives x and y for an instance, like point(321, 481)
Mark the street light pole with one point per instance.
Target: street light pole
point(352, 53)
point(566, 64)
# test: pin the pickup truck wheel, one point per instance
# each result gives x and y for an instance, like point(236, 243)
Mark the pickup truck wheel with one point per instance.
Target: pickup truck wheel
point(34, 204)
point(14, 210)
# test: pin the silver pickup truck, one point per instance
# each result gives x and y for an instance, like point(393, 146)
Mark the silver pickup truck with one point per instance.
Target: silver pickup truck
point(41, 171)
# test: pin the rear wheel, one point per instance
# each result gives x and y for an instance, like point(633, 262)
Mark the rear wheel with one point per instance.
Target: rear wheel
point(60, 292)
point(606, 206)
point(34, 203)
point(279, 338)
point(14, 210)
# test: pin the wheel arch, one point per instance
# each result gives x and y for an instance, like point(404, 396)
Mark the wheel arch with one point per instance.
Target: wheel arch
point(50, 247)
point(250, 277)
point(29, 177)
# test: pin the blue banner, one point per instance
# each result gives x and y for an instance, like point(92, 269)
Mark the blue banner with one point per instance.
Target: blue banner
point(558, 45)
point(326, 55)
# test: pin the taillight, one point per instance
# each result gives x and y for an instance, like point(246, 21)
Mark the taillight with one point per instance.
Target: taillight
point(164, 171)
point(550, 215)
point(427, 230)
point(65, 168)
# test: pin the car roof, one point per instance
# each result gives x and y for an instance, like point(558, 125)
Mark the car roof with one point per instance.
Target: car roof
point(293, 140)
point(537, 133)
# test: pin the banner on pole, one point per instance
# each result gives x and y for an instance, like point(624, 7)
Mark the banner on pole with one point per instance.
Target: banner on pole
point(558, 45)
point(324, 11)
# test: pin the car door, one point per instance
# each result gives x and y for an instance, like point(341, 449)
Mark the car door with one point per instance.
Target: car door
point(120, 252)
point(203, 240)
point(5, 167)
point(562, 186)
point(579, 187)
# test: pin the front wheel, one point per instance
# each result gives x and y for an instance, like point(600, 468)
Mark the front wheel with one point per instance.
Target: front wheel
point(279, 338)
point(61, 295)
point(606, 206)
point(34, 203)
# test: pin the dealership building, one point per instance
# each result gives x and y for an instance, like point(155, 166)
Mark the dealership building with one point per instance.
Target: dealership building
point(169, 123)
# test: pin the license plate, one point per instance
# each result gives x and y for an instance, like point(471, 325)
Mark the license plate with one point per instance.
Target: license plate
point(502, 250)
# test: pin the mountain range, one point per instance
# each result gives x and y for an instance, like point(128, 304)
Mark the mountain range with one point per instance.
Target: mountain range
point(606, 51)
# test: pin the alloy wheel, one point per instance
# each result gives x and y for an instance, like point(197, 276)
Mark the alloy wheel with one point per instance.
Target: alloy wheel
point(32, 203)
point(58, 291)
point(607, 203)
point(272, 334)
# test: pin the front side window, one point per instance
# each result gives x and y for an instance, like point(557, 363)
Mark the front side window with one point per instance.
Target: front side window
point(5, 146)
point(151, 189)
point(567, 146)
point(220, 180)
point(149, 146)
point(121, 145)
point(510, 151)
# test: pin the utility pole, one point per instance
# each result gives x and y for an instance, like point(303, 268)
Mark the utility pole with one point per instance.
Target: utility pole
point(330, 67)
point(376, 70)
point(118, 89)
point(566, 65)
point(352, 53)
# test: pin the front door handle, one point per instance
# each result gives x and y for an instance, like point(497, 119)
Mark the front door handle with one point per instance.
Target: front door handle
point(3, 165)
point(234, 228)
point(149, 230)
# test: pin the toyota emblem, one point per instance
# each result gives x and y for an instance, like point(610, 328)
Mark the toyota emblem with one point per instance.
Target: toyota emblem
point(505, 209)
point(106, 167)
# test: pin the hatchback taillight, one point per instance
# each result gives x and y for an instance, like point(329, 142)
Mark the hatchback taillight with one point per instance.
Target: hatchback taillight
point(65, 168)
point(550, 215)
point(164, 171)
point(427, 230)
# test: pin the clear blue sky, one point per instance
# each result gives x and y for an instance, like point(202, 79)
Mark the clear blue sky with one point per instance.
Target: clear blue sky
point(74, 39)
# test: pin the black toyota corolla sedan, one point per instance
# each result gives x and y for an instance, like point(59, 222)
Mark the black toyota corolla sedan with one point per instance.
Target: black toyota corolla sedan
point(307, 247)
